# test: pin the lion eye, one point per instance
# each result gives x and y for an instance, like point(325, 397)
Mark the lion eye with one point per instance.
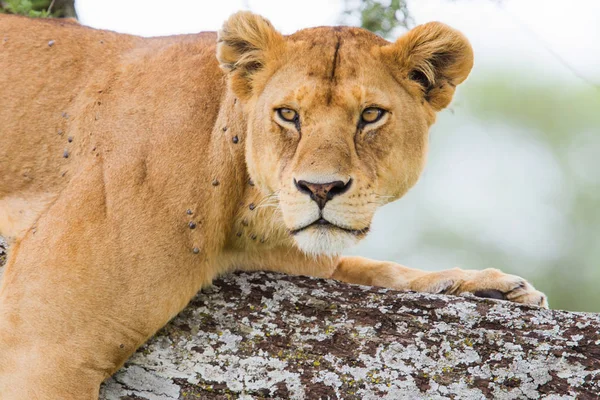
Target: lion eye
point(371, 114)
point(287, 114)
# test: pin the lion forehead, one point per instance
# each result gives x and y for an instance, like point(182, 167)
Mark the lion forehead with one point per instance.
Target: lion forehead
point(324, 35)
point(333, 53)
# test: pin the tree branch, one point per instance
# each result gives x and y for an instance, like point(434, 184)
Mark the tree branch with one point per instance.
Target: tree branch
point(273, 336)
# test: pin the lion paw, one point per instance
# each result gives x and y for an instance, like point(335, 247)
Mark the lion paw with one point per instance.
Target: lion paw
point(488, 283)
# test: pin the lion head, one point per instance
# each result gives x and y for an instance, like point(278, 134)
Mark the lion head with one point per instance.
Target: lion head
point(338, 117)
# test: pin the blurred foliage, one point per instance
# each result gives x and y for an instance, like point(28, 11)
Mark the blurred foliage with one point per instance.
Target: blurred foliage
point(380, 17)
point(39, 8)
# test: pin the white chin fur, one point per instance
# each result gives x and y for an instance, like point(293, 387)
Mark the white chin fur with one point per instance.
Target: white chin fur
point(316, 241)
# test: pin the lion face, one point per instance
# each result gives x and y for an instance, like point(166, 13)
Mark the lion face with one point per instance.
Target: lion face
point(338, 118)
point(334, 149)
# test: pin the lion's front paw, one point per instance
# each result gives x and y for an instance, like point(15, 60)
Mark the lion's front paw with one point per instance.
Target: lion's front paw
point(489, 283)
point(495, 284)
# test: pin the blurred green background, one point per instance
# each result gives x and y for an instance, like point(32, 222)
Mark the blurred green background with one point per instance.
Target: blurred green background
point(39, 8)
point(513, 178)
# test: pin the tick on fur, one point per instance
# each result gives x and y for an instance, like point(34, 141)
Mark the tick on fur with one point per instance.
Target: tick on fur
point(250, 182)
point(70, 139)
point(60, 132)
point(251, 206)
point(51, 43)
point(224, 129)
point(192, 225)
point(188, 212)
point(66, 154)
point(239, 234)
point(196, 250)
point(215, 182)
point(235, 139)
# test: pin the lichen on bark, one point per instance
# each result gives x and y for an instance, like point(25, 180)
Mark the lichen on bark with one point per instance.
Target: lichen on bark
point(272, 336)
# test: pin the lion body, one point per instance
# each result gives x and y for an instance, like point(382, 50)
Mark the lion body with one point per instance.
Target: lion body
point(76, 99)
point(135, 170)
point(113, 116)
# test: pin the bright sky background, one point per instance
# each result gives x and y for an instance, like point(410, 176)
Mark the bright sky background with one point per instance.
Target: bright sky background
point(520, 34)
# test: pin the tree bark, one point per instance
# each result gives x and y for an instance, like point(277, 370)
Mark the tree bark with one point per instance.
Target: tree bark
point(2, 254)
point(272, 336)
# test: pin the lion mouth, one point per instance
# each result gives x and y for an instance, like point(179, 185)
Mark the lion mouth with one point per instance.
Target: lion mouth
point(322, 223)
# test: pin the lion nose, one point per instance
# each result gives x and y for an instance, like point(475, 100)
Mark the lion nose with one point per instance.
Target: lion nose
point(321, 193)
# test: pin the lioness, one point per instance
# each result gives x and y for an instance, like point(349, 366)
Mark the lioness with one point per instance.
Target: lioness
point(134, 170)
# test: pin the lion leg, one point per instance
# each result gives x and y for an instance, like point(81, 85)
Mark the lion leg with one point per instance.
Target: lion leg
point(88, 286)
point(46, 338)
point(486, 283)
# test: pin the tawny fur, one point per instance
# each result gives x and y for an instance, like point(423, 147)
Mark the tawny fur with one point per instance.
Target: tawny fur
point(135, 170)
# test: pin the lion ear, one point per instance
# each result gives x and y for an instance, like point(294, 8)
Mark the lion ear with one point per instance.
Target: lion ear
point(436, 57)
point(246, 44)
